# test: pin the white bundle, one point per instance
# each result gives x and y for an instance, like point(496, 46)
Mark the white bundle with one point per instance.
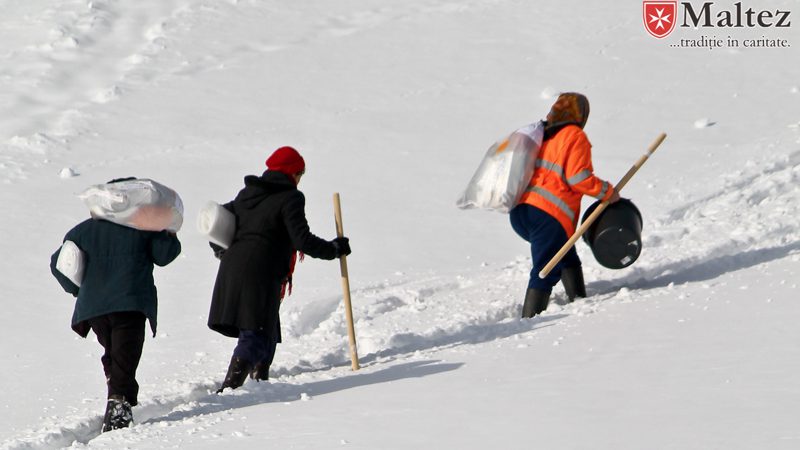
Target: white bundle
point(217, 224)
point(139, 203)
point(71, 262)
point(505, 171)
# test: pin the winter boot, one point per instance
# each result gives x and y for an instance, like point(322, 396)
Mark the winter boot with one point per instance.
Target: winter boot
point(536, 301)
point(118, 414)
point(237, 373)
point(260, 372)
point(572, 279)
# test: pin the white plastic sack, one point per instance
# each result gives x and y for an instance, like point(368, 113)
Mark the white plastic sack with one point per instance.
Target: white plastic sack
point(505, 171)
point(71, 262)
point(217, 224)
point(142, 204)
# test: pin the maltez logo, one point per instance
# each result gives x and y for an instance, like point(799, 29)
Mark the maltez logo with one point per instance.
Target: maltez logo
point(659, 17)
point(708, 18)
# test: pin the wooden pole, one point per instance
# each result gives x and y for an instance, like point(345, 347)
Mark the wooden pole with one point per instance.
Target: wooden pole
point(351, 331)
point(599, 210)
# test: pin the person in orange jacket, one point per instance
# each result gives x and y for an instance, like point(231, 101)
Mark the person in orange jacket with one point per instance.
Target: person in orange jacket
point(547, 214)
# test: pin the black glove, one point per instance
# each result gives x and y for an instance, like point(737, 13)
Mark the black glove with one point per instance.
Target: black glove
point(342, 245)
point(218, 251)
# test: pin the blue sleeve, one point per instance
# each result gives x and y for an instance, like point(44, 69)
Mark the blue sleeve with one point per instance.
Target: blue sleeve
point(164, 248)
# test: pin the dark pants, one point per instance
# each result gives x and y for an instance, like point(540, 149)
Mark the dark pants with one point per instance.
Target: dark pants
point(256, 346)
point(122, 336)
point(546, 236)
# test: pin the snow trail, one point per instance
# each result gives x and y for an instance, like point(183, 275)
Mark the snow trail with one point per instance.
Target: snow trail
point(400, 323)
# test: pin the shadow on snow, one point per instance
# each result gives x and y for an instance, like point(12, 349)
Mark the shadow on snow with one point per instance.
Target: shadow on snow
point(692, 271)
point(283, 392)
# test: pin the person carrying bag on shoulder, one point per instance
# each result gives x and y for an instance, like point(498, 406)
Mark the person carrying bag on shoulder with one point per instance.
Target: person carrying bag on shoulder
point(548, 211)
point(115, 294)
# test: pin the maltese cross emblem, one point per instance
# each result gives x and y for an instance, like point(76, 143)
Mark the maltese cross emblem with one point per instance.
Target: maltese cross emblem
point(659, 17)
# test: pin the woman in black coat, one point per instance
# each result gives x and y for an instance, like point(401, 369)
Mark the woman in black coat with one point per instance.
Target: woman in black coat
point(255, 270)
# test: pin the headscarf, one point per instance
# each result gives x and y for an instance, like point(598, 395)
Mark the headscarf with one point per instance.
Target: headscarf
point(569, 108)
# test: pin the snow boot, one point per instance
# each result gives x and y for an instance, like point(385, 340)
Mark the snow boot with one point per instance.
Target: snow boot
point(536, 301)
point(118, 414)
point(260, 372)
point(237, 374)
point(572, 279)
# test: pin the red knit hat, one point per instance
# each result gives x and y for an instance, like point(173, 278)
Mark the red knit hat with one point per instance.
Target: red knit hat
point(286, 160)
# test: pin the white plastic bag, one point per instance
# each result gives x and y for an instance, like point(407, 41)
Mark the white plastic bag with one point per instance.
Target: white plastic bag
point(71, 262)
point(505, 171)
point(140, 203)
point(217, 224)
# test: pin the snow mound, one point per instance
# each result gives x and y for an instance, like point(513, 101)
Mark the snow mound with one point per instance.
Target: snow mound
point(703, 123)
point(67, 172)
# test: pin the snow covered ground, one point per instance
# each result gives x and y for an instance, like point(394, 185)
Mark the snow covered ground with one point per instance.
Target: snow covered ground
point(393, 103)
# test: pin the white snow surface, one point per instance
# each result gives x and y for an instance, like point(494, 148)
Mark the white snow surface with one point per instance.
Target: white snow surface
point(393, 103)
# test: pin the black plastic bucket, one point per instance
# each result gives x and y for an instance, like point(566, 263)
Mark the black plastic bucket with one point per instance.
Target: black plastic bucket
point(616, 236)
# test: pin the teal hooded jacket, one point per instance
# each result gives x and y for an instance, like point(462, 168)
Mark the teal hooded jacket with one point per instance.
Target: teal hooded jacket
point(118, 271)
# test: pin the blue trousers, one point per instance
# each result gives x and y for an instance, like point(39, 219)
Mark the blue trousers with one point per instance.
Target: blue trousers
point(546, 236)
point(255, 346)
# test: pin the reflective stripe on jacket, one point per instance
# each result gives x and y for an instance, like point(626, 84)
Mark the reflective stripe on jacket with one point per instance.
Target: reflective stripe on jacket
point(563, 175)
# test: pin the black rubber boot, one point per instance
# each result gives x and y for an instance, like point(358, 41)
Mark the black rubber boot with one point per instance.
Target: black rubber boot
point(260, 372)
point(536, 301)
point(572, 279)
point(118, 414)
point(237, 374)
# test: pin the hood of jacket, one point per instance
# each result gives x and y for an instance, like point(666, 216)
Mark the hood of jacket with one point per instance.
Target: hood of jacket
point(257, 188)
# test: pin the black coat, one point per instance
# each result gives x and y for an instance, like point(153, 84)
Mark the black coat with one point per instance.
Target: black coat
point(270, 226)
point(118, 272)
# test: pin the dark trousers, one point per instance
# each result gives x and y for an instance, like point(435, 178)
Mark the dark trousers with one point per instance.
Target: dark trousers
point(122, 336)
point(256, 346)
point(546, 236)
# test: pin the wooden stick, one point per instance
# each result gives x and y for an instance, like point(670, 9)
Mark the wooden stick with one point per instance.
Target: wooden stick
point(351, 331)
point(599, 210)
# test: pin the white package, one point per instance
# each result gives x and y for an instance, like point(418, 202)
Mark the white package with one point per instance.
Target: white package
point(505, 171)
point(217, 224)
point(71, 262)
point(140, 203)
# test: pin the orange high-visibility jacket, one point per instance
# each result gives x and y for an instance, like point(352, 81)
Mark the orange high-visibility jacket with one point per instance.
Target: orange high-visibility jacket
point(563, 175)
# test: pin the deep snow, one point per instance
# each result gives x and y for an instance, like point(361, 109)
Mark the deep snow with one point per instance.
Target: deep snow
point(393, 103)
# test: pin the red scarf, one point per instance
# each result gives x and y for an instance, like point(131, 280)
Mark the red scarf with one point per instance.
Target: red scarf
point(288, 281)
